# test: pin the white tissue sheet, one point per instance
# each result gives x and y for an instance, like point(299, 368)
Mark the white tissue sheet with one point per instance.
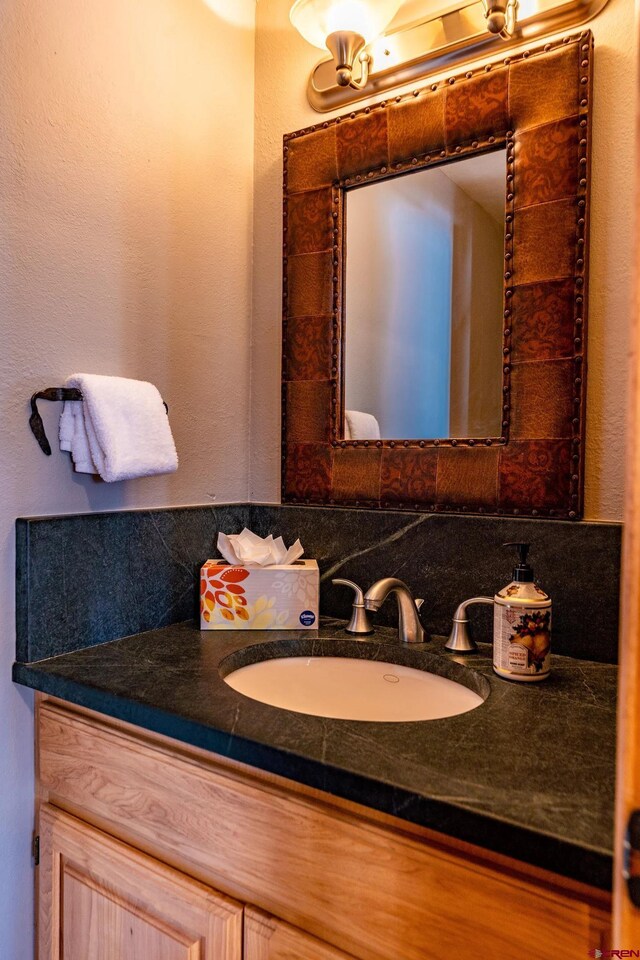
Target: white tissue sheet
point(247, 549)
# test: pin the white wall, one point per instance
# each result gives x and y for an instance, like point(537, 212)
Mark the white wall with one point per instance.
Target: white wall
point(283, 64)
point(126, 180)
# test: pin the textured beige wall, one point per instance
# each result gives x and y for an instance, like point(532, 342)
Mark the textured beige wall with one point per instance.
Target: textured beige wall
point(283, 63)
point(126, 178)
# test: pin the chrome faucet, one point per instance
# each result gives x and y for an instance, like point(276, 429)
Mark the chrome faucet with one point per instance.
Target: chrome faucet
point(410, 630)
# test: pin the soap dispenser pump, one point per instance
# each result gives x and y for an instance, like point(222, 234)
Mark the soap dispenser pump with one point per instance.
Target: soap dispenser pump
point(522, 625)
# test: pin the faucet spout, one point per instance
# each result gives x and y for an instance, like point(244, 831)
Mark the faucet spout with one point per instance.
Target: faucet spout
point(410, 629)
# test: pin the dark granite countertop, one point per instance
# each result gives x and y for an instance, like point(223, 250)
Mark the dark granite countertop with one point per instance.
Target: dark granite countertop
point(530, 773)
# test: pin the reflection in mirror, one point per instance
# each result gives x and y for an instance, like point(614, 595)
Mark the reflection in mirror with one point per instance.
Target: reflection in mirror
point(424, 302)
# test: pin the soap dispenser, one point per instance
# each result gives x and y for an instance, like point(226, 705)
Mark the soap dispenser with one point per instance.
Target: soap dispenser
point(521, 625)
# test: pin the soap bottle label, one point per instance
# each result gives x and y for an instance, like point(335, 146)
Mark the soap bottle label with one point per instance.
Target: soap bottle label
point(522, 641)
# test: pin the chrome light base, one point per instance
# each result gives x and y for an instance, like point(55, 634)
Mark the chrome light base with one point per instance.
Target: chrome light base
point(501, 17)
point(344, 46)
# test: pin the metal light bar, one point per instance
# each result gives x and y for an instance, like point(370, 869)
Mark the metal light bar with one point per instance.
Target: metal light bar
point(421, 49)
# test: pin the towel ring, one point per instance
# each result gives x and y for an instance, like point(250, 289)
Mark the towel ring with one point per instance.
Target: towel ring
point(52, 393)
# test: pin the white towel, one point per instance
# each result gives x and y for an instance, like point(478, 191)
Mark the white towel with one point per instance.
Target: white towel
point(360, 426)
point(119, 430)
point(73, 436)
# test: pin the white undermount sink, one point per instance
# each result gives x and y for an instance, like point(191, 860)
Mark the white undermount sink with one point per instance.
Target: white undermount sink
point(347, 688)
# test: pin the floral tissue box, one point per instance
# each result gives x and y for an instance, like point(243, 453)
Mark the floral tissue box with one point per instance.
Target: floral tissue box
point(279, 597)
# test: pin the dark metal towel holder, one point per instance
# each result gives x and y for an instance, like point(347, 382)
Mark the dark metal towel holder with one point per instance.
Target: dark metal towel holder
point(52, 393)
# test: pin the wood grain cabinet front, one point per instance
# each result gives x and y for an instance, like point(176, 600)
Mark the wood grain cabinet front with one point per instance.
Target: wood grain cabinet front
point(100, 899)
point(267, 938)
point(129, 817)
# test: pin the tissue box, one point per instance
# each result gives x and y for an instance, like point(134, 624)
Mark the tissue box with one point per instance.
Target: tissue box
point(281, 597)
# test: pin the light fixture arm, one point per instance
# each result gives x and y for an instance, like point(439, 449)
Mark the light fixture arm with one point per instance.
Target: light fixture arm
point(345, 46)
point(501, 17)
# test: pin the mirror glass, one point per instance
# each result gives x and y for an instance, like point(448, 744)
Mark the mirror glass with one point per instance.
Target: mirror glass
point(423, 308)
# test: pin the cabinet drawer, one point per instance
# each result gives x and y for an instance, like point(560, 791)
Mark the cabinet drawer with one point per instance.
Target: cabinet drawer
point(366, 887)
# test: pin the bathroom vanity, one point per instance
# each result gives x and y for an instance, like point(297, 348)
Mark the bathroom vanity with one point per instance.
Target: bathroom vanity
point(179, 816)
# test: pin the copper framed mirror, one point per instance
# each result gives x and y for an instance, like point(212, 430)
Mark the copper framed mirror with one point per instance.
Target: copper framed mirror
point(531, 111)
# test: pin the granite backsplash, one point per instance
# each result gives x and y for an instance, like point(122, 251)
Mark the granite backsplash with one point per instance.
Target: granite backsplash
point(83, 580)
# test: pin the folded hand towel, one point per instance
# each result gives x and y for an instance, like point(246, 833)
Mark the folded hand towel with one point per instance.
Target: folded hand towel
point(73, 436)
point(119, 429)
point(360, 426)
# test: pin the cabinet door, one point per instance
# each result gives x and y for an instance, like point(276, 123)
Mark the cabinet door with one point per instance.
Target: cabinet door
point(266, 938)
point(100, 899)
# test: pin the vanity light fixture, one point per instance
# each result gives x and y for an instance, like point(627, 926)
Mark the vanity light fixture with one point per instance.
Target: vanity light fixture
point(344, 27)
point(501, 17)
point(398, 44)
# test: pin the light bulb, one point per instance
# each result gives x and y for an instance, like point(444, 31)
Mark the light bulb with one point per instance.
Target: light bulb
point(318, 19)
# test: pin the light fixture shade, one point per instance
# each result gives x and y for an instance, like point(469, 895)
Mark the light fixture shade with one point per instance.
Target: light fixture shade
point(317, 19)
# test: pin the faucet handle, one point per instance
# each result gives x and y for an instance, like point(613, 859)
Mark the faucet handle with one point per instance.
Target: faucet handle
point(360, 624)
point(359, 595)
point(460, 639)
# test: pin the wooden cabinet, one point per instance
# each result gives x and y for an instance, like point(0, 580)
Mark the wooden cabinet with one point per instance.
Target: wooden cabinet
point(321, 879)
point(267, 938)
point(100, 899)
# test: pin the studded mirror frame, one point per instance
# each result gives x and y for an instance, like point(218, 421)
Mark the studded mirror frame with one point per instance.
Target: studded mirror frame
point(536, 105)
